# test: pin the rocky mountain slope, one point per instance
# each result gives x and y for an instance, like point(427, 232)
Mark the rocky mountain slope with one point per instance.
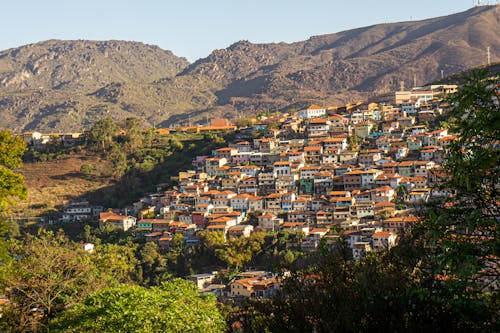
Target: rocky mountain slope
point(64, 85)
point(371, 59)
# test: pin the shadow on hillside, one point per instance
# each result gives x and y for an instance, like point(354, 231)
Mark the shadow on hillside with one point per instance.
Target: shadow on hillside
point(135, 184)
point(78, 175)
point(182, 119)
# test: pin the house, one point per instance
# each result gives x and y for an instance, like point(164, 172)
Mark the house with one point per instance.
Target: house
point(226, 152)
point(384, 209)
point(359, 249)
point(313, 111)
point(300, 204)
point(255, 204)
point(419, 196)
point(383, 240)
point(120, 221)
point(312, 154)
point(362, 129)
point(212, 163)
point(368, 177)
point(269, 222)
point(202, 280)
point(258, 287)
point(399, 225)
point(352, 180)
point(335, 142)
point(240, 230)
point(250, 170)
point(295, 226)
point(244, 147)
point(80, 211)
point(406, 168)
point(282, 168)
point(88, 247)
point(349, 157)
point(324, 218)
point(318, 127)
point(240, 202)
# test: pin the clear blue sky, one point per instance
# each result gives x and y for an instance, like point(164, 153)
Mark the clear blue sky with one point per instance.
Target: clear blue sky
point(194, 28)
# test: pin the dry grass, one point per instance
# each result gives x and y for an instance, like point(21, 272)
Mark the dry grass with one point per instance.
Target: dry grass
point(51, 183)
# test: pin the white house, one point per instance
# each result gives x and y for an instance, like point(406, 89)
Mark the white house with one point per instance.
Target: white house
point(313, 111)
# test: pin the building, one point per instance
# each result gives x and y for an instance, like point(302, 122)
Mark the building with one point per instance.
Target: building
point(313, 111)
point(120, 221)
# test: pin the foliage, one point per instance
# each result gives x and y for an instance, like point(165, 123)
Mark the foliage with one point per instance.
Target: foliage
point(133, 136)
point(153, 267)
point(458, 243)
point(174, 306)
point(12, 186)
point(11, 183)
point(243, 122)
point(86, 169)
point(101, 134)
point(239, 251)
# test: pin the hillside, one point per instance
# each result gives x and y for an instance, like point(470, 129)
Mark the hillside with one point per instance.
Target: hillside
point(64, 85)
point(373, 59)
point(50, 183)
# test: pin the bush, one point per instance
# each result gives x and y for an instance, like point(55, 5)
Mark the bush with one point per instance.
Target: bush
point(86, 169)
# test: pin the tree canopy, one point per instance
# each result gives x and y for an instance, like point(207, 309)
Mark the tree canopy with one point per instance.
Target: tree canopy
point(174, 306)
point(12, 149)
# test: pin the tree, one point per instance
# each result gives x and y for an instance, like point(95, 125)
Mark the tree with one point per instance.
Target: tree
point(133, 136)
point(243, 122)
point(49, 276)
point(458, 243)
point(12, 149)
point(174, 306)
point(53, 273)
point(101, 134)
point(12, 186)
point(153, 266)
point(239, 251)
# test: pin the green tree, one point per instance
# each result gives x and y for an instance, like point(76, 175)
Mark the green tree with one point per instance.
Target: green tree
point(12, 149)
point(176, 145)
point(175, 306)
point(239, 251)
point(133, 135)
point(458, 243)
point(101, 134)
point(243, 122)
point(86, 169)
point(12, 186)
point(118, 160)
point(153, 266)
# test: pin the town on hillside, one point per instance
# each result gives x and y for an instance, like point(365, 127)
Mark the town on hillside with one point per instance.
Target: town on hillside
point(361, 171)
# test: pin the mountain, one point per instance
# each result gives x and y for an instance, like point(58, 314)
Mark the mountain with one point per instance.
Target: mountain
point(372, 59)
point(64, 85)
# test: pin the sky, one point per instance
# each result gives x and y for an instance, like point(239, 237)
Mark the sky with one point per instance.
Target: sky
point(193, 29)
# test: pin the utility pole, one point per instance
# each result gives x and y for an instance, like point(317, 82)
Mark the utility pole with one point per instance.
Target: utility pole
point(414, 80)
point(488, 55)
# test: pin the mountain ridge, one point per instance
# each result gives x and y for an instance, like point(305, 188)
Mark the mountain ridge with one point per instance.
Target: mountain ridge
point(63, 85)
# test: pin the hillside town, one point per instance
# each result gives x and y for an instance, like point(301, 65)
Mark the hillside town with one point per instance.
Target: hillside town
point(362, 171)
